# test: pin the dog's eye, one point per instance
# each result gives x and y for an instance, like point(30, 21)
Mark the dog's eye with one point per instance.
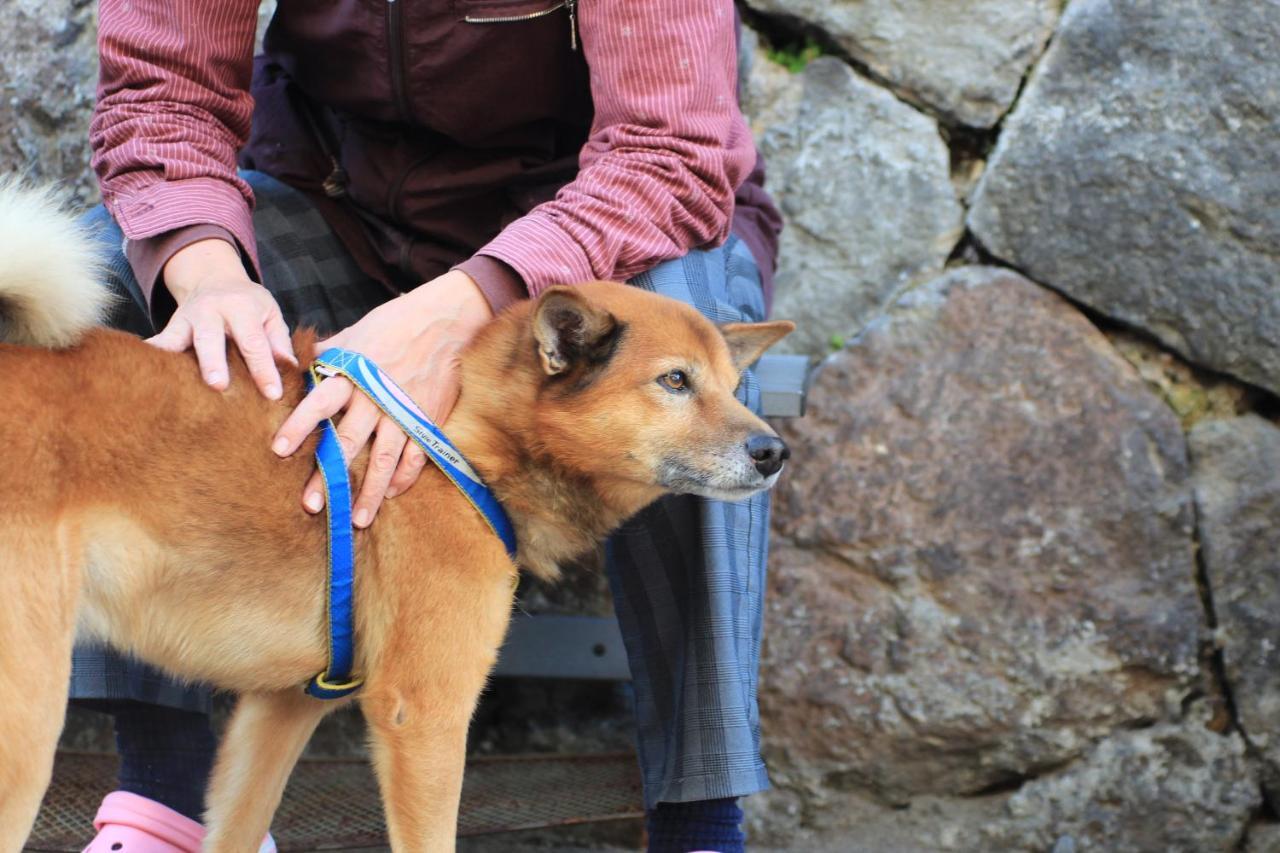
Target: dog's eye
point(675, 380)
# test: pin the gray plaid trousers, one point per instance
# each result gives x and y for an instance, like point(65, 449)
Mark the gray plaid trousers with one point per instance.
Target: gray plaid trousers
point(687, 574)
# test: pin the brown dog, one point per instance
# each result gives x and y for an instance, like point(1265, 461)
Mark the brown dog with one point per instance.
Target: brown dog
point(147, 511)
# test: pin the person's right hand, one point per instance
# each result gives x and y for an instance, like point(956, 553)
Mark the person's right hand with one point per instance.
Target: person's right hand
point(217, 300)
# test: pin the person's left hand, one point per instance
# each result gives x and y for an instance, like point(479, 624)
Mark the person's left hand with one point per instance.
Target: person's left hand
point(415, 339)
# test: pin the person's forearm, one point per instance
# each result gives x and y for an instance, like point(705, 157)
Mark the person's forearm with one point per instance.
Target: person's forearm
point(668, 147)
point(173, 109)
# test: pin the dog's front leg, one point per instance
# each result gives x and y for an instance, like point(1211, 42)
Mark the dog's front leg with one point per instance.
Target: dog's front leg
point(419, 699)
point(262, 743)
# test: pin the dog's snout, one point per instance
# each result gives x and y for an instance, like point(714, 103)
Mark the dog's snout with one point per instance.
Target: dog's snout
point(768, 452)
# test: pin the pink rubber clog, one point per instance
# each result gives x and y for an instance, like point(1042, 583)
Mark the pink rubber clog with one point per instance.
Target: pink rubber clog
point(129, 823)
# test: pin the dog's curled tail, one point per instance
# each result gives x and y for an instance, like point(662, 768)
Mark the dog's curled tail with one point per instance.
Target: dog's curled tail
point(51, 289)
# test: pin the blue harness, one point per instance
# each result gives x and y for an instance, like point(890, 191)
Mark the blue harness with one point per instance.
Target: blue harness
point(337, 679)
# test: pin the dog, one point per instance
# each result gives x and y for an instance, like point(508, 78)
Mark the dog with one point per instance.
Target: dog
point(142, 509)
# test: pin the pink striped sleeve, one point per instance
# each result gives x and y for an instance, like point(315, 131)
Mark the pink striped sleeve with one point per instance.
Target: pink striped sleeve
point(668, 147)
point(173, 111)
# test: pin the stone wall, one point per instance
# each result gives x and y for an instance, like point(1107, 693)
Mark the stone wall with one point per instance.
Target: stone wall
point(1026, 577)
point(1026, 568)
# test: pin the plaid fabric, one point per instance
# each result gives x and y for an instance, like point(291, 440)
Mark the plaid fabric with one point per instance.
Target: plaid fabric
point(687, 574)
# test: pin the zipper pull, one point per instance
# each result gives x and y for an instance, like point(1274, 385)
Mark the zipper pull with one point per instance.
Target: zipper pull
point(572, 6)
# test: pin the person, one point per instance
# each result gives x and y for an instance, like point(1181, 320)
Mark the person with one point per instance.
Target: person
point(406, 170)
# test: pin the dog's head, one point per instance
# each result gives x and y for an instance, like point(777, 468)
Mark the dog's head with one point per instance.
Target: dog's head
point(637, 392)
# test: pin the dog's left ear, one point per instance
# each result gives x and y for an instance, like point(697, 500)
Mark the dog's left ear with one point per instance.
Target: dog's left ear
point(571, 331)
point(748, 341)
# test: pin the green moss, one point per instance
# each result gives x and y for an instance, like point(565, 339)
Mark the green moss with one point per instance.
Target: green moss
point(836, 343)
point(1194, 395)
point(794, 56)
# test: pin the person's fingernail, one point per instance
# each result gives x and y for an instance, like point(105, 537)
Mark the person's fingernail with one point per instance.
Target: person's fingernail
point(392, 491)
point(213, 377)
point(362, 518)
point(273, 391)
point(313, 501)
point(281, 446)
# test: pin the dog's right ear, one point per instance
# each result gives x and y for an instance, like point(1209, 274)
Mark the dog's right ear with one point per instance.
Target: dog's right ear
point(571, 331)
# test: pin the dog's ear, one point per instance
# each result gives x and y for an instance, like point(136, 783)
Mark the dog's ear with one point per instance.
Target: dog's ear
point(748, 341)
point(571, 331)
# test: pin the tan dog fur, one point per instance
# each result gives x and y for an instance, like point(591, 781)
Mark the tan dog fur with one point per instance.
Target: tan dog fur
point(147, 510)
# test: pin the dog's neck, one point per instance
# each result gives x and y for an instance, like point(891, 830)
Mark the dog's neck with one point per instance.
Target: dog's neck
point(558, 514)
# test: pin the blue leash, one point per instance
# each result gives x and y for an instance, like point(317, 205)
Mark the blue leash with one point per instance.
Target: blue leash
point(337, 680)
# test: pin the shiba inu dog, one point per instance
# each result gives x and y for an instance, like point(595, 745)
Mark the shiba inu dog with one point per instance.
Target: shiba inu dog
point(142, 509)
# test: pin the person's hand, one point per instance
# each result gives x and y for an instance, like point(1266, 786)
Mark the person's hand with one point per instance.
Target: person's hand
point(217, 300)
point(415, 339)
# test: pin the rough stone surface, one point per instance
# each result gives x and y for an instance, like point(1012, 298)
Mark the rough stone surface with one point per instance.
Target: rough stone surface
point(1140, 175)
point(964, 61)
point(1236, 467)
point(1263, 838)
point(48, 70)
point(1170, 788)
point(863, 181)
point(984, 558)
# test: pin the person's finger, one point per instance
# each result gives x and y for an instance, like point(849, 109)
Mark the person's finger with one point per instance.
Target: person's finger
point(324, 401)
point(412, 461)
point(313, 494)
point(175, 337)
point(353, 431)
point(384, 457)
point(357, 424)
point(278, 335)
point(209, 340)
point(251, 340)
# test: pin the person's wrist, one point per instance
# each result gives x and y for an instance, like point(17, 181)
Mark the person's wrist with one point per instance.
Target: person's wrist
point(456, 292)
point(198, 262)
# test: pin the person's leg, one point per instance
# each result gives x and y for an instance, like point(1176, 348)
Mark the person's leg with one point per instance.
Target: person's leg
point(687, 576)
point(162, 727)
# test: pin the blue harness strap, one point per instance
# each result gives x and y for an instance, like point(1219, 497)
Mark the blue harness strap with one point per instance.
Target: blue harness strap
point(395, 404)
point(336, 681)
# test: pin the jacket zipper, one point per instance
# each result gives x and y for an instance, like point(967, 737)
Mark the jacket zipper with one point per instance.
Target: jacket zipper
point(395, 56)
point(570, 5)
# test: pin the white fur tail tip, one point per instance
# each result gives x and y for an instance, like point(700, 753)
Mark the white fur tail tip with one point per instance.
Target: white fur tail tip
point(51, 288)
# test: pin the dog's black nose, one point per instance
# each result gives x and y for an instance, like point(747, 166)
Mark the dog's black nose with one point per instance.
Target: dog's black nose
point(768, 452)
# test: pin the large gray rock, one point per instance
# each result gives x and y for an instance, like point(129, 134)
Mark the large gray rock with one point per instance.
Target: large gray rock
point(1173, 788)
point(1237, 491)
point(983, 557)
point(1140, 174)
point(863, 181)
point(48, 70)
point(963, 60)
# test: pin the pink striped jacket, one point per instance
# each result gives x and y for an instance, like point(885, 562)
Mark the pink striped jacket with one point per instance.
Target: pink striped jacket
point(529, 142)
